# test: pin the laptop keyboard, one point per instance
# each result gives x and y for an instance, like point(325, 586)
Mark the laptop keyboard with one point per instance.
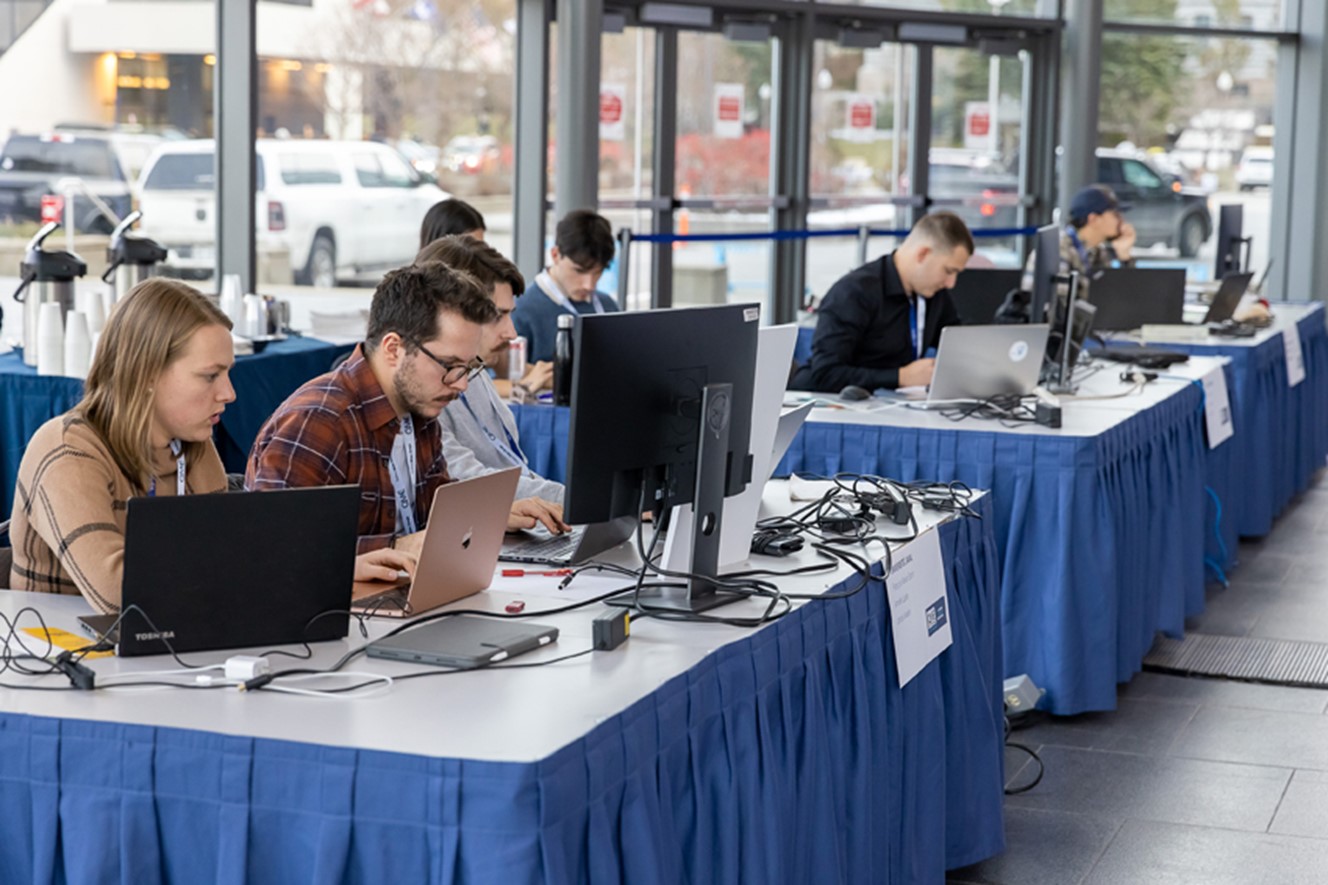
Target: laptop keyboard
point(543, 546)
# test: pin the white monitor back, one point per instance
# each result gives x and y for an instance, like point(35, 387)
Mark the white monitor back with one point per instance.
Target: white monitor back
point(774, 357)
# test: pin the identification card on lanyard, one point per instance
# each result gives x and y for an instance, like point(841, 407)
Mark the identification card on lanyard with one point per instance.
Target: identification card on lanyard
point(917, 323)
point(511, 451)
point(177, 449)
point(403, 475)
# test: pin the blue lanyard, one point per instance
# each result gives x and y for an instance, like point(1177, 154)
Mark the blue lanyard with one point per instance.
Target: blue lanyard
point(511, 451)
point(914, 333)
point(177, 449)
point(1078, 244)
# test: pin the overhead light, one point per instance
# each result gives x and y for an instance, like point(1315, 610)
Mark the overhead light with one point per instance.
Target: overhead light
point(677, 14)
point(613, 22)
point(861, 38)
point(747, 32)
point(929, 32)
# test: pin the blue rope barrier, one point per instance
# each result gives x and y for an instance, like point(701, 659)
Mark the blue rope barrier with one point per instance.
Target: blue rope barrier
point(810, 234)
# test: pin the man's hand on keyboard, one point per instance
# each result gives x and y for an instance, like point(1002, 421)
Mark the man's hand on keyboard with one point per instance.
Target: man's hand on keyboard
point(527, 512)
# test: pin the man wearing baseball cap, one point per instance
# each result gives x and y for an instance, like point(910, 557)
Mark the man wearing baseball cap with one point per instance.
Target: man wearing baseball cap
point(1097, 237)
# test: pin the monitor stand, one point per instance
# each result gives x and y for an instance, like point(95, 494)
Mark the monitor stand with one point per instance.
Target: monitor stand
point(699, 593)
point(1064, 369)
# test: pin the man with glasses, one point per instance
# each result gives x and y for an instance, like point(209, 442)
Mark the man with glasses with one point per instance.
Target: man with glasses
point(372, 420)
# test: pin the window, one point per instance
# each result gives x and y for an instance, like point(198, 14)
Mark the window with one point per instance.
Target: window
point(396, 172)
point(367, 170)
point(1257, 15)
point(1139, 175)
point(182, 172)
point(297, 168)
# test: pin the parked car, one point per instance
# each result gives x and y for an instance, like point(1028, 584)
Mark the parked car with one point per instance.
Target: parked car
point(341, 208)
point(1255, 168)
point(1163, 209)
point(106, 162)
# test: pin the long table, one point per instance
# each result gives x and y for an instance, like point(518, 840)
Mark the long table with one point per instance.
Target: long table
point(1281, 431)
point(1101, 525)
point(699, 753)
point(262, 381)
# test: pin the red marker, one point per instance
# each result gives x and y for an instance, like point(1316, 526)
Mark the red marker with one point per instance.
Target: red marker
point(548, 573)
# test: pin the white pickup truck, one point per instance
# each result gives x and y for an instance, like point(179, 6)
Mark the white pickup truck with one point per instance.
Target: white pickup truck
point(341, 208)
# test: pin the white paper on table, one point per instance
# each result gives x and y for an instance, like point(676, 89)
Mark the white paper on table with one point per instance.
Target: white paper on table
point(587, 585)
point(919, 605)
point(1295, 360)
point(1217, 407)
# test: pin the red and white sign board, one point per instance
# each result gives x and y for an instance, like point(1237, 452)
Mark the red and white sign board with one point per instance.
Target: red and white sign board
point(977, 125)
point(728, 110)
point(861, 114)
point(612, 111)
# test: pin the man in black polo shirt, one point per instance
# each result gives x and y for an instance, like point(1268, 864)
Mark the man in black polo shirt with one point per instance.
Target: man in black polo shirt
point(878, 326)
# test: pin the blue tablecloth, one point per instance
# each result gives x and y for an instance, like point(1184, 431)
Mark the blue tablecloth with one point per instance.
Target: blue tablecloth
point(789, 756)
point(1102, 539)
point(1281, 432)
point(261, 381)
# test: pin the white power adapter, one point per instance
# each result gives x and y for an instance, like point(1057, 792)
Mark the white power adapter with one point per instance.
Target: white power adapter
point(242, 668)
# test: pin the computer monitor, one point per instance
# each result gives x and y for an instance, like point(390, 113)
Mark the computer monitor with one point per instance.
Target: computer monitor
point(661, 416)
point(979, 292)
point(1046, 269)
point(1230, 241)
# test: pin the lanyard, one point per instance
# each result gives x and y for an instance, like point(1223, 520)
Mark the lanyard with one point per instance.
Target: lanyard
point(1078, 244)
point(917, 323)
point(178, 451)
point(545, 282)
point(511, 451)
point(403, 487)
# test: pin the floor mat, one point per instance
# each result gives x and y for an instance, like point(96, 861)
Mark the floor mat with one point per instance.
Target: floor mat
point(1274, 661)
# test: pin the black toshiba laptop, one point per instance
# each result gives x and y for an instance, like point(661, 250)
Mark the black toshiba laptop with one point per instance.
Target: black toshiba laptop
point(235, 570)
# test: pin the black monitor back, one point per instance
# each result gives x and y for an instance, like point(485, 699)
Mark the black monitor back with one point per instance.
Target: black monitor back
point(1128, 297)
point(637, 379)
point(979, 293)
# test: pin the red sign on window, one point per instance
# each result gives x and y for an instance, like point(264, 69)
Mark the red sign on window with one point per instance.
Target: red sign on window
point(730, 108)
point(979, 123)
point(610, 108)
point(861, 115)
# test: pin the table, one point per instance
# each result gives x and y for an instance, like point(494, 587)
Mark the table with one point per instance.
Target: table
point(262, 381)
point(1281, 432)
point(697, 753)
point(1100, 525)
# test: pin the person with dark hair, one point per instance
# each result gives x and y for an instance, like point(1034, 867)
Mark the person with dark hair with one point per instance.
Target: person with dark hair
point(879, 325)
point(370, 421)
point(583, 248)
point(480, 434)
point(451, 217)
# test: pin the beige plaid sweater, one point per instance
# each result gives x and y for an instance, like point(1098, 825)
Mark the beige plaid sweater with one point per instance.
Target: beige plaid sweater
point(69, 511)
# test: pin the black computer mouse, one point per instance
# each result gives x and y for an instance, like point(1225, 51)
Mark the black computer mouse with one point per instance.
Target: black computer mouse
point(854, 393)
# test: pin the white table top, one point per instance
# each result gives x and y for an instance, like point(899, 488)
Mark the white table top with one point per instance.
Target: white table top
point(1284, 314)
point(520, 715)
point(1083, 415)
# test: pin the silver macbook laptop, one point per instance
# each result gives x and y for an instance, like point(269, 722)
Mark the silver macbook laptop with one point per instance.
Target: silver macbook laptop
point(979, 362)
point(459, 551)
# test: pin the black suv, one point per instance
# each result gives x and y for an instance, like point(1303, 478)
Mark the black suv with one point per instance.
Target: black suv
point(1162, 210)
point(31, 167)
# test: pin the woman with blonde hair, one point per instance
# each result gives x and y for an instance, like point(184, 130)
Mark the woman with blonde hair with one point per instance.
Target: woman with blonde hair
point(158, 384)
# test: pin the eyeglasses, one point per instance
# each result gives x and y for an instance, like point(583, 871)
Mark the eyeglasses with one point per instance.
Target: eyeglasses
point(454, 372)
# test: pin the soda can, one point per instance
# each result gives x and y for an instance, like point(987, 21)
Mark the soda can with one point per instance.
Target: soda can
point(516, 358)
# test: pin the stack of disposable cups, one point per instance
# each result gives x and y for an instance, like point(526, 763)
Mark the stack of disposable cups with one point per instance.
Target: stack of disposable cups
point(78, 345)
point(94, 307)
point(231, 300)
point(50, 340)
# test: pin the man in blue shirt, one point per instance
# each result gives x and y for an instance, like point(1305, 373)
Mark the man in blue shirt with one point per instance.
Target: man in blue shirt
point(583, 247)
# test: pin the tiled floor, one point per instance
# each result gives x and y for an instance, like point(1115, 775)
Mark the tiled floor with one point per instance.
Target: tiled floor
point(1193, 781)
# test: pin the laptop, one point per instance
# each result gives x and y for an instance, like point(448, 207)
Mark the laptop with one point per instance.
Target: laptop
point(463, 642)
point(1228, 297)
point(459, 550)
point(978, 293)
point(980, 362)
point(1129, 297)
point(539, 546)
point(237, 570)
